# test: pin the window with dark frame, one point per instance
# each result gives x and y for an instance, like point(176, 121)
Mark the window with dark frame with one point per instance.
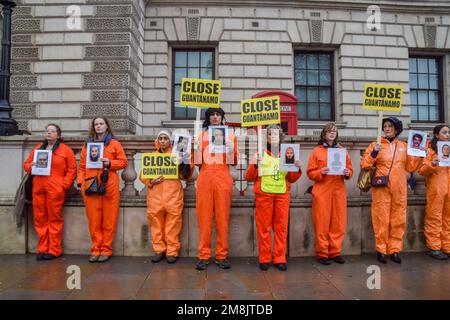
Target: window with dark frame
point(425, 89)
point(314, 85)
point(189, 63)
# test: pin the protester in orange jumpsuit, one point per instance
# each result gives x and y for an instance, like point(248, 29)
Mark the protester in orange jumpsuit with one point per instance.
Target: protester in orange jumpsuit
point(437, 217)
point(272, 200)
point(329, 206)
point(214, 192)
point(102, 208)
point(389, 202)
point(165, 204)
point(49, 192)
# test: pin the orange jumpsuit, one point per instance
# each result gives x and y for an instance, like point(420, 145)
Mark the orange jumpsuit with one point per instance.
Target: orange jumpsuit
point(103, 211)
point(48, 198)
point(389, 203)
point(437, 218)
point(165, 212)
point(329, 206)
point(271, 212)
point(214, 193)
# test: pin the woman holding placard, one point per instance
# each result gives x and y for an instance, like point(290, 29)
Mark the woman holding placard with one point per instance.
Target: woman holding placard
point(49, 191)
point(272, 200)
point(165, 204)
point(214, 190)
point(437, 217)
point(329, 206)
point(389, 188)
point(100, 187)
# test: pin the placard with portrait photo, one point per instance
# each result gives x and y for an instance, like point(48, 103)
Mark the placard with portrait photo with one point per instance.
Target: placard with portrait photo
point(289, 154)
point(444, 153)
point(336, 161)
point(217, 136)
point(417, 143)
point(43, 163)
point(182, 146)
point(94, 154)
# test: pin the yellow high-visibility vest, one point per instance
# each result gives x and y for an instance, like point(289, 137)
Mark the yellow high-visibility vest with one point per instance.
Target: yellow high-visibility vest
point(272, 180)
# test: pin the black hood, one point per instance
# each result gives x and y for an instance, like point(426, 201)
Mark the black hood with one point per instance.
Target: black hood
point(398, 125)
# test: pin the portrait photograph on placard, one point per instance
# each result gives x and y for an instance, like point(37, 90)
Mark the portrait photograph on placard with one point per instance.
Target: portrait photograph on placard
point(443, 153)
point(417, 143)
point(43, 163)
point(181, 145)
point(336, 161)
point(289, 154)
point(93, 155)
point(217, 136)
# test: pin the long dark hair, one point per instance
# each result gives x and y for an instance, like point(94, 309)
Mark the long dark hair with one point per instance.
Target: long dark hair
point(209, 112)
point(435, 139)
point(58, 141)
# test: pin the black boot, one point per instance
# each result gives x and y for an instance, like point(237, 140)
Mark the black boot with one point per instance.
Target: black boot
point(396, 258)
point(324, 261)
point(382, 258)
point(264, 266)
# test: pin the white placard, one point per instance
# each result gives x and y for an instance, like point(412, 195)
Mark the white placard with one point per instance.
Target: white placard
point(444, 153)
point(182, 146)
point(336, 161)
point(417, 143)
point(217, 136)
point(94, 152)
point(289, 154)
point(43, 163)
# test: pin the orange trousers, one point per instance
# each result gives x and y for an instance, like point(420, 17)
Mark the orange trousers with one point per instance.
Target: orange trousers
point(102, 213)
point(329, 216)
point(214, 192)
point(48, 221)
point(272, 212)
point(389, 218)
point(437, 221)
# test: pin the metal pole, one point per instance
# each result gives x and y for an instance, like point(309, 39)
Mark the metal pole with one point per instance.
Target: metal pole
point(8, 126)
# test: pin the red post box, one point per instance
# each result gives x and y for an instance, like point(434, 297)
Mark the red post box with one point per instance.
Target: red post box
point(288, 107)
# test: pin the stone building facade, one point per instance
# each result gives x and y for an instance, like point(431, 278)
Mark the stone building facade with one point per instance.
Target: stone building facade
point(75, 59)
point(117, 58)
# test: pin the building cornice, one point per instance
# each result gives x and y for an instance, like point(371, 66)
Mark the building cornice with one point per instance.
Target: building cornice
point(422, 7)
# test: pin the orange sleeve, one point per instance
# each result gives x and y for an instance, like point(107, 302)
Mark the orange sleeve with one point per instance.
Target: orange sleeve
point(71, 168)
point(82, 167)
point(292, 177)
point(29, 160)
point(367, 161)
point(252, 172)
point(427, 168)
point(120, 162)
point(313, 171)
point(146, 182)
point(413, 163)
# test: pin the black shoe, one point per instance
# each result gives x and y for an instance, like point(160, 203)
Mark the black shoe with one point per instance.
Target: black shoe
point(437, 254)
point(338, 259)
point(396, 258)
point(40, 256)
point(264, 266)
point(281, 266)
point(202, 264)
point(324, 261)
point(223, 263)
point(158, 257)
point(49, 256)
point(171, 259)
point(382, 258)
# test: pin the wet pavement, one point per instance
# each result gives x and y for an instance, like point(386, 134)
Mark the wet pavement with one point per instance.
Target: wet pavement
point(125, 278)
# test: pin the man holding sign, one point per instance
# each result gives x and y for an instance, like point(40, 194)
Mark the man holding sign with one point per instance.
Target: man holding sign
point(161, 173)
